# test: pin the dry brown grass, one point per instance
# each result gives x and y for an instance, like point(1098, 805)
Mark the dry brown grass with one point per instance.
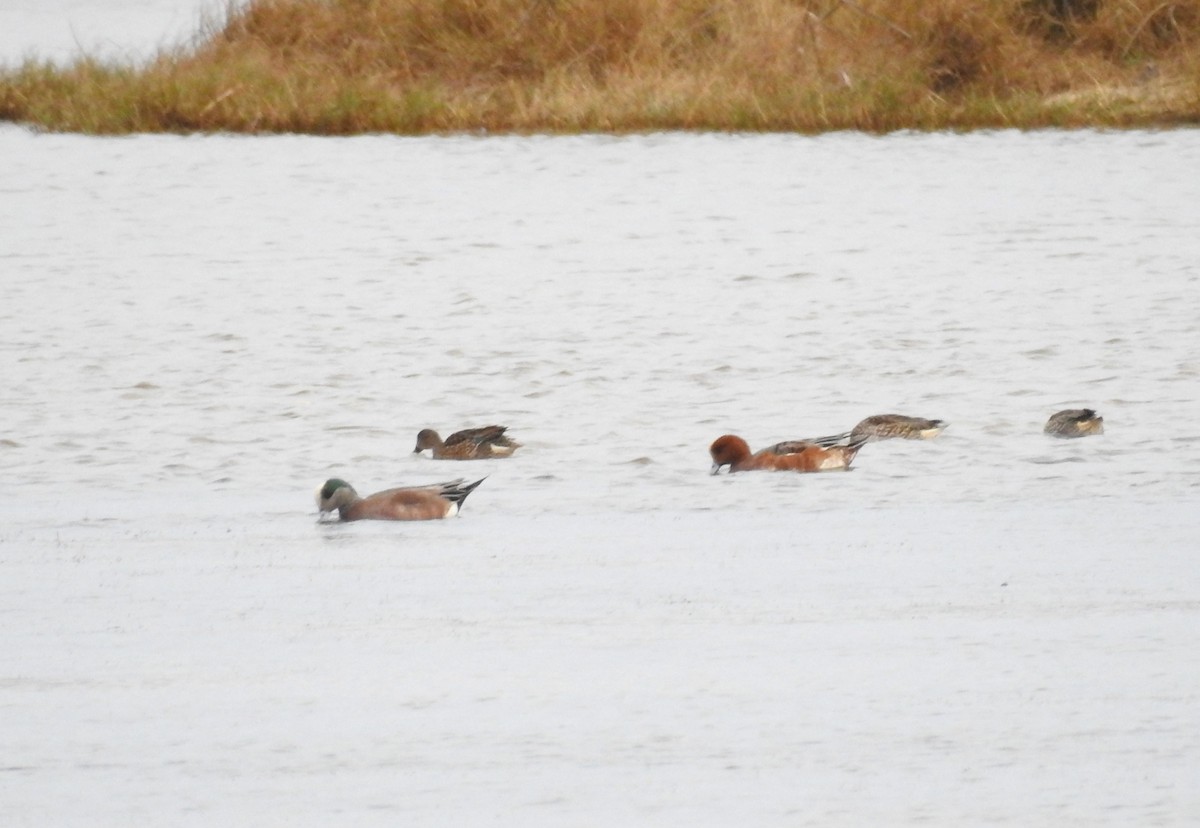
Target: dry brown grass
point(412, 66)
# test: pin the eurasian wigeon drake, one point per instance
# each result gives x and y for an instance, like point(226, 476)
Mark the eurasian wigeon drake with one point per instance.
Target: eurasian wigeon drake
point(439, 500)
point(889, 426)
point(793, 455)
point(469, 444)
point(1074, 422)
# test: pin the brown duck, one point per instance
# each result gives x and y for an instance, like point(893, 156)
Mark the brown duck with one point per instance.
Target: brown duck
point(1074, 422)
point(469, 444)
point(793, 455)
point(889, 426)
point(440, 500)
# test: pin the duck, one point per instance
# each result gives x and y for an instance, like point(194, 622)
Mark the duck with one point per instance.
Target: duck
point(888, 426)
point(792, 455)
point(469, 444)
point(1074, 422)
point(432, 502)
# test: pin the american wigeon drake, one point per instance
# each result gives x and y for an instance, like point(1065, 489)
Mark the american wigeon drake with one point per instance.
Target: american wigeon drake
point(439, 500)
point(468, 444)
point(793, 455)
point(889, 426)
point(1074, 422)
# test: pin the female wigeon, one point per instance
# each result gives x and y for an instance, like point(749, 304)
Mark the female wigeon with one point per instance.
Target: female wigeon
point(793, 455)
point(468, 444)
point(1074, 422)
point(887, 426)
point(439, 500)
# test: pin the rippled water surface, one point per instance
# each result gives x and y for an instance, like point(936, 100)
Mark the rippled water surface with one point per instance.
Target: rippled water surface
point(992, 626)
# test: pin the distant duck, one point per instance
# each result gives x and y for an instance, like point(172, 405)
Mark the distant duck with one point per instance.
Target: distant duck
point(1074, 422)
point(439, 500)
point(888, 426)
point(468, 444)
point(792, 455)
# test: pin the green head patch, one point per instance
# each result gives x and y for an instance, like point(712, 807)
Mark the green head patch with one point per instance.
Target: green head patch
point(331, 486)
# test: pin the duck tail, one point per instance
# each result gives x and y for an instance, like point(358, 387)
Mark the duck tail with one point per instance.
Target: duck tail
point(852, 447)
point(456, 491)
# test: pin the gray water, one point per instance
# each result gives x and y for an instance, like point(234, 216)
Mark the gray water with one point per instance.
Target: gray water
point(990, 627)
point(243, 316)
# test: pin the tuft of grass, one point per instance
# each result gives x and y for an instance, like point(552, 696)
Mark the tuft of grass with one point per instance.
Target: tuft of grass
point(420, 66)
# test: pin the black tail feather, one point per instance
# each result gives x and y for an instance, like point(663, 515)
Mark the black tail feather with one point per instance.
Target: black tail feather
point(456, 491)
point(854, 445)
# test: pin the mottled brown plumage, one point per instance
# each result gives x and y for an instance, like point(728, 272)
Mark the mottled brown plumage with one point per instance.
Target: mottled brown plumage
point(891, 426)
point(469, 444)
point(1074, 422)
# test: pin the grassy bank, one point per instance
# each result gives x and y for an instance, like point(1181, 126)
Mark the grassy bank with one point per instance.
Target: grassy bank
point(415, 66)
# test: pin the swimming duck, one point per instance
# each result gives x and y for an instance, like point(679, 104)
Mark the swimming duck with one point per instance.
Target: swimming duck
point(1074, 422)
point(439, 500)
point(793, 455)
point(468, 444)
point(887, 426)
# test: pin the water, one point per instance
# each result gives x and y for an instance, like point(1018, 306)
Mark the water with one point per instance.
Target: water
point(991, 627)
point(241, 315)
